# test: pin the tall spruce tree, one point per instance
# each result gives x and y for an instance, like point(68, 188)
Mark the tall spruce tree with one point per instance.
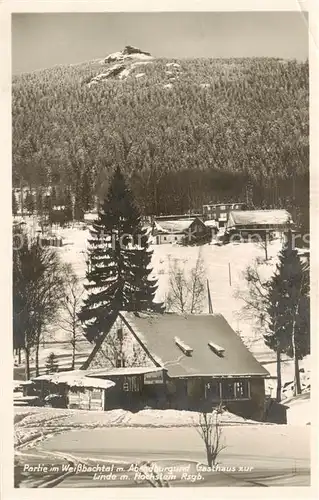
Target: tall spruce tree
point(14, 204)
point(289, 310)
point(78, 201)
point(118, 264)
point(29, 202)
point(86, 191)
point(54, 197)
point(39, 203)
point(68, 206)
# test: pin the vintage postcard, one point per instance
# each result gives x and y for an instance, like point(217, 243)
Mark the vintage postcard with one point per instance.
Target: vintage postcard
point(160, 236)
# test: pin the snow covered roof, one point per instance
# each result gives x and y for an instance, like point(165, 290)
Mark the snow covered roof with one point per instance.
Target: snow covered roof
point(258, 217)
point(91, 216)
point(186, 349)
point(76, 378)
point(211, 223)
point(18, 383)
point(173, 226)
point(225, 204)
point(158, 333)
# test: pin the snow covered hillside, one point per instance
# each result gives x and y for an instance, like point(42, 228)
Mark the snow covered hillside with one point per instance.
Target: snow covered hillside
point(224, 267)
point(220, 262)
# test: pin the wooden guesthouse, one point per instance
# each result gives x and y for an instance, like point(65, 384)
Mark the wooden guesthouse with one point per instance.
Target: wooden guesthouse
point(187, 362)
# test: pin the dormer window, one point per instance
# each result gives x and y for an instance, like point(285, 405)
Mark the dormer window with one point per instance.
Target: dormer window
point(217, 349)
point(186, 349)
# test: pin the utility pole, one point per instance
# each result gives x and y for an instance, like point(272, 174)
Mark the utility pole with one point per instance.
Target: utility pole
point(210, 306)
point(229, 273)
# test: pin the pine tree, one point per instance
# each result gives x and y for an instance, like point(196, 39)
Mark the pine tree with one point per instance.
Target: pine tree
point(78, 202)
point(86, 191)
point(51, 363)
point(53, 196)
point(14, 204)
point(39, 203)
point(289, 309)
point(68, 206)
point(119, 259)
point(29, 202)
point(276, 335)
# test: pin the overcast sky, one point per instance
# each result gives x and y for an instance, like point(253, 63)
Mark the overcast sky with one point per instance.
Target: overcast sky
point(44, 40)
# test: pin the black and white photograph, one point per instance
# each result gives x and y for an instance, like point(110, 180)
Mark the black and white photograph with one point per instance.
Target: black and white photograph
point(161, 249)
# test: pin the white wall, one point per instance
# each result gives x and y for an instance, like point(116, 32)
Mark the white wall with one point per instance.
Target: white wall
point(168, 238)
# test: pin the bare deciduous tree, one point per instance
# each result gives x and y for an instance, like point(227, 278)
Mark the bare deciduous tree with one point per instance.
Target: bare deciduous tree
point(210, 431)
point(263, 242)
point(118, 351)
point(186, 292)
point(71, 304)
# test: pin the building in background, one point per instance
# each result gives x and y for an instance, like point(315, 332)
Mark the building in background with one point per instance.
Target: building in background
point(182, 231)
point(243, 224)
point(220, 211)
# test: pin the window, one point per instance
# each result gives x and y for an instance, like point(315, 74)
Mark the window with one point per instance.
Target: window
point(212, 390)
point(238, 389)
point(223, 207)
point(186, 349)
point(164, 238)
point(217, 349)
point(223, 217)
point(228, 390)
point(120, 334)
point(131, 384)
point(242, 389)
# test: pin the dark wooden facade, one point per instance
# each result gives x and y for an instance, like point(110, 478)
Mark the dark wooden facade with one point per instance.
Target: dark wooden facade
point(243, 396)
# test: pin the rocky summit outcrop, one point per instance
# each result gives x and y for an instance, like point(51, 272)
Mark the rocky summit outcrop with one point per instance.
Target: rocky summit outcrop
point(129, 52)
point(129, 49)
point(124, 63)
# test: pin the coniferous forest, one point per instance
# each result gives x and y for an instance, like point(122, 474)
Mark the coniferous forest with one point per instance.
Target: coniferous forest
point(222, 130)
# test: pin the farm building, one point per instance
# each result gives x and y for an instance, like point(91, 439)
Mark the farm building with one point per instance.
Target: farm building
point(72, 389)
point(212, 226)
point(90, 216)
point(189, 215)
point(187, 362)
point(90, 389)
point(246, 223)
point(185, 231)
point(220, 211)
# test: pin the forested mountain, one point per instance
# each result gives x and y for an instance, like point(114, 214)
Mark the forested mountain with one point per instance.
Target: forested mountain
point(184, 133)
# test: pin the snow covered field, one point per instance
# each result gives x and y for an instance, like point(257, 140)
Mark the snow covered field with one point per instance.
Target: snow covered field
point(300, 410)
point(35, 424)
